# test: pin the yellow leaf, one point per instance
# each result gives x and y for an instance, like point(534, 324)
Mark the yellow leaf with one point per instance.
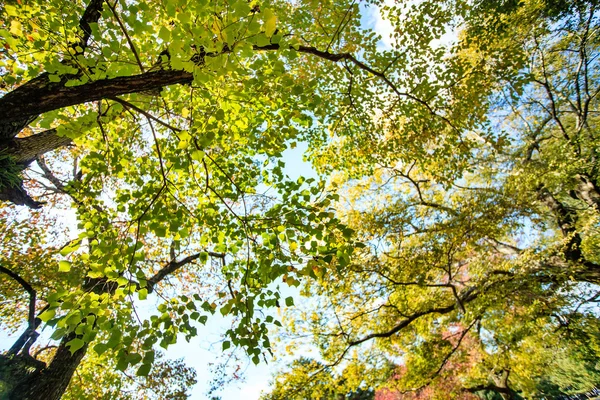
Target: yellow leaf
point(198, 155)
point(184, 135)
point(215, 28)
point(15, 28)
point(270, 22)
point(64, 266)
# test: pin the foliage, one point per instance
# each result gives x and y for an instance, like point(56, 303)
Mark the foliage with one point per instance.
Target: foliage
point(178, 112)
point(298, 383)
point(97, 378)
point(454, 247)
point(11, 172)
point(480, 272)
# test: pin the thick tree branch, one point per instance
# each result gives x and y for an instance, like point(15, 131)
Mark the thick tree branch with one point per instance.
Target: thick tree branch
point(566, 219)
point(28, 288)
point(49, 175)
point(13, 126)
point(25, 150)
point(28, 101)
point(25, 102)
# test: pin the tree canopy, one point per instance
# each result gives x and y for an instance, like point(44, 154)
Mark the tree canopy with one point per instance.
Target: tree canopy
point(480, 270)
point(450, 247)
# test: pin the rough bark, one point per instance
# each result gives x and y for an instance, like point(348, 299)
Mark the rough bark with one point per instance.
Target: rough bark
point(50, 383)
point(18, 195)
point(91, 14)
point(32, 100)
point(25, 150)
point(20, 118)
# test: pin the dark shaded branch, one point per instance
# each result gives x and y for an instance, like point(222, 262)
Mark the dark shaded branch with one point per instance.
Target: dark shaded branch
point(455, 348)
point(13, 126)
point(28, 288)
point(173, 266)
point(17, 195)
point(588, 191)
point(41, 350)
point(91, 15)
point(566, 219)
point(448, 356)
point(146, 114)
point(469, 295)
point(564, 216)
point(49, 175)
point(30, 335)
point(51, 382)
point(26, 101)
point(492, 387)
point(504, 248)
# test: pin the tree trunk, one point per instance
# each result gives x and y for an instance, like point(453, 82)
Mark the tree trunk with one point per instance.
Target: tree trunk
point(50, 383)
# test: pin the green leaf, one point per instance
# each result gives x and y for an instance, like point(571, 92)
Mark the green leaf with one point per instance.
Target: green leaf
point(262, 40)
point(164, 34)
point(64, 266)
point(198, 155)
point(75, 345)
point(70, 249)
point(47, 315)
point(100, 348)
point(289, 301)
point(226, 345)
point(144, 370)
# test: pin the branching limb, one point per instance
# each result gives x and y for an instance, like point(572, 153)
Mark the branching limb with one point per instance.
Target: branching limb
point(124, 30)
point(28, 288)
point(174, 265)
point(504, 248)
point(31, 320)
point(49, 175)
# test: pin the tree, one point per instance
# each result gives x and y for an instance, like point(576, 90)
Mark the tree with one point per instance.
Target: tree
point(98, 378)
point(167, 121)
point(297, 383)
point(482, 222)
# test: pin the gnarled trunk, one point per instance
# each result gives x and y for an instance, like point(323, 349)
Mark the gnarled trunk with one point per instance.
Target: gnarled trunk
point(50, 382)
